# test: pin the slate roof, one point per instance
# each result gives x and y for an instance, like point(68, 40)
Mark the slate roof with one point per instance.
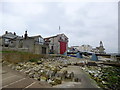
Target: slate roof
point(11, 36)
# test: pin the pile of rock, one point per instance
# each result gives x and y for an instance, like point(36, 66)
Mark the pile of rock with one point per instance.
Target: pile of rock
point(107, 77)
point(46, 70)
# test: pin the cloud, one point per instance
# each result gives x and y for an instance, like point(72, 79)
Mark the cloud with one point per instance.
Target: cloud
point(82, 22)
point(24, 9)
point(93, 22)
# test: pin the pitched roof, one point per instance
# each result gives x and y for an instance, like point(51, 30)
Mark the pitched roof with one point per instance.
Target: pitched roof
point(36, 36)
point(11, 36)
point(32, 37)
point(56, 36)
point(50, 37)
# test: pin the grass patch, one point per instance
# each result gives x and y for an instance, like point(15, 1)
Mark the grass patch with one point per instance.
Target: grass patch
point(33, 60)
point(55, 55)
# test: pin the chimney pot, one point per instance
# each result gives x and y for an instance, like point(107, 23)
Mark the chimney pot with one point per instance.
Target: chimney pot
point(25, 35)
point(14, 33)
point(6, 32)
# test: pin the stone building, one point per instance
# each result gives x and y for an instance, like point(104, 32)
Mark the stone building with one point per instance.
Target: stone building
point(34, 44)
point(82, 48)
point(57, 44)
point(10, 40)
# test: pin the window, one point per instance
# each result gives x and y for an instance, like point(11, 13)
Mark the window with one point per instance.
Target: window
point(60, 38)
point(6, 40)
point(41, 41)
point(52, 47)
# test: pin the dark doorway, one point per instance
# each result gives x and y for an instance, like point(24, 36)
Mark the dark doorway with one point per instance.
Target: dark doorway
point(52, 50)
point(43, 50)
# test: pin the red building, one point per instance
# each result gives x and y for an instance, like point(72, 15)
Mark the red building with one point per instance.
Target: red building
point(57, 44)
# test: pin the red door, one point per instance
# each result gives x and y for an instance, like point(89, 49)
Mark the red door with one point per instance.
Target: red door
point(62, 47)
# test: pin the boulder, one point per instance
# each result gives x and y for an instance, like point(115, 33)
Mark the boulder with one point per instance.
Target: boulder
point(81, 63)
point(49, 81)
point(53, 73)
point(53, 83)
point(71, 75)
point(36, 75)
point(18, 68)
point(31, 75)
point(36, 69)
point(65, 74)
point(39, 62)
point(77, 80)
point(27, 72)
point(58, 80)
point(43, 78)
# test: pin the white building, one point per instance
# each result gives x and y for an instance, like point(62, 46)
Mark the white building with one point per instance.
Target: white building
point(85, 48)
point(82, 48)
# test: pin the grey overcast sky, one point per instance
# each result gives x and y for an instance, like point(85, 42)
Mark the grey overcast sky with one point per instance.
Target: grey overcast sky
point(83, 22)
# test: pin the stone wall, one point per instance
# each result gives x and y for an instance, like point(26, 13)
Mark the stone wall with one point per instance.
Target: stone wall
point(36, 50)
point(15, 49)
point(29, 43)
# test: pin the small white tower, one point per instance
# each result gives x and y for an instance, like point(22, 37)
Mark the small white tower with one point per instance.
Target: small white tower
point(101, 48)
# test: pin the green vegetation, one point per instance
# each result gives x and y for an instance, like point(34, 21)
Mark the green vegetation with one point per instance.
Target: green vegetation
point(109, 78)
point(33, 60)
point(111, 75)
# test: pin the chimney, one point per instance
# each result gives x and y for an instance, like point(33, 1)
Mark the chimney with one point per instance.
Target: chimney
point(14, 33)
point(25, 35)
point(6, 32)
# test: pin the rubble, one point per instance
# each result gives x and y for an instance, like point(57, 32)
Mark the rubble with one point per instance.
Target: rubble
point(107, 77)
point(47, 69)
point(53, 71)
point(43, 78)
